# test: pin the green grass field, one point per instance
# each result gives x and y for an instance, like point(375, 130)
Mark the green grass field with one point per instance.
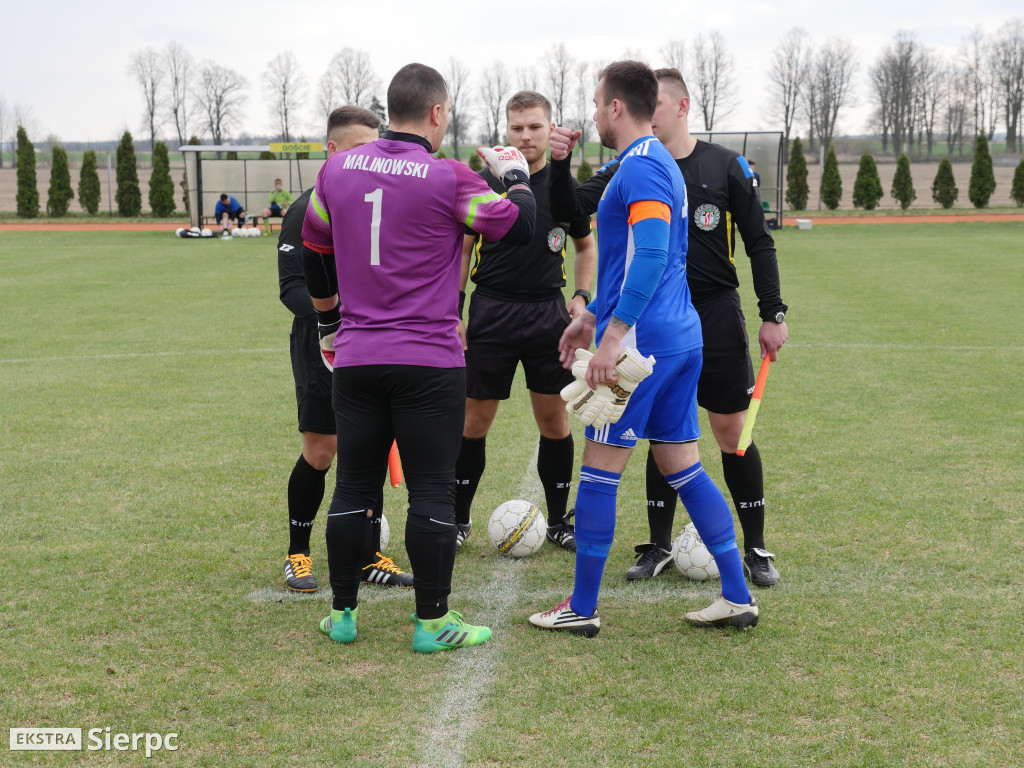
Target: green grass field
point(148, 432)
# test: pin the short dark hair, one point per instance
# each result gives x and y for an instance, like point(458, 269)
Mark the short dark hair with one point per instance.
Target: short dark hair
point(223, 197)
point(672, 75)
point(343, 117)
point(414, 91)
point(526, 100)
point(634, 84)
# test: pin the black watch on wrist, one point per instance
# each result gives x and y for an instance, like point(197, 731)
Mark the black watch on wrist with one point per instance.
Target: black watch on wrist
point(584, 294)
point(779, 317)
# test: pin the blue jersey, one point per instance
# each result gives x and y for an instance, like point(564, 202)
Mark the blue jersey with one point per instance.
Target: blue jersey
point(231, 205)
point(668, 325)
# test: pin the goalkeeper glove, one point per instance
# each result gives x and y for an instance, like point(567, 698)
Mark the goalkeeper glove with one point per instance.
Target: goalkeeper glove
point(327, 323)
point(507, 164)
point(606, 404)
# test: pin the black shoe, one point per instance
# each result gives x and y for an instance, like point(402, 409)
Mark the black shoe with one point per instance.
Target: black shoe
point(462, 531)
point(651, 560)
point(298, 573)
point(758, 565)
point(563, 534)
point(386, 573)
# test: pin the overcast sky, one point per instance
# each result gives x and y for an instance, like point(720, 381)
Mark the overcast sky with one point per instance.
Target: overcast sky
point(66, 61)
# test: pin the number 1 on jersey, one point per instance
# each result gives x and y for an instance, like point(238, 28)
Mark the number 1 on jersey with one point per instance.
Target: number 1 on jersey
point(376, 197)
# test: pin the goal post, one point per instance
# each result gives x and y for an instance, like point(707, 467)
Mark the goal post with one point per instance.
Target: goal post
point(248, 179)
point(766, 148)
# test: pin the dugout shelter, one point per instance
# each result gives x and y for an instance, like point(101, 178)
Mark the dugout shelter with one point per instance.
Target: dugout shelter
point(766, 149)
point(248, 179)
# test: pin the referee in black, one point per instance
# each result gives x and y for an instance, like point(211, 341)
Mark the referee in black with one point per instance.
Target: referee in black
point(722, 196)
point(517, 314)
point(347, 127)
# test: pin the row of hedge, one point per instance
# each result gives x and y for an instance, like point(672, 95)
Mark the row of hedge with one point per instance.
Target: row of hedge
point(867, 187)
point(60, 194)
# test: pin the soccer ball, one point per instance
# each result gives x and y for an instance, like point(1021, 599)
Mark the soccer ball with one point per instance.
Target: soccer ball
point(207, 233)
point(179, 230)
point(195, 229)
point(255, 232)
point(517, 528)
point(385, 533)
point(692, 558)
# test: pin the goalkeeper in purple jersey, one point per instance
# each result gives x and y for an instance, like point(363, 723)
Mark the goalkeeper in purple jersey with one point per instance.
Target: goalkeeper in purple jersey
point(383, 234)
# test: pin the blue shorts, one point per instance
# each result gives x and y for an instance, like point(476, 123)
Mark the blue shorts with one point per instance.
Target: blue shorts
point(663, 408)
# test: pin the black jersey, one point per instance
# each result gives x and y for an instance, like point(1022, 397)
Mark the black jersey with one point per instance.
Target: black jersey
point(532, 272)
point(290, 272)
point(722, 198)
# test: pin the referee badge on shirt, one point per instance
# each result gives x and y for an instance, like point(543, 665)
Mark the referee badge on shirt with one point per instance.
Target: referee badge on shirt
point(707, 216)
point(556, 239)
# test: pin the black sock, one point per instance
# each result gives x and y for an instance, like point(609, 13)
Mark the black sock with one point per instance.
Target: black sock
point(745, 478)
point(305, 494)
point(661, 505)
point(469, 468)
point(554, 466)
point(348, 536)
point(431, 549)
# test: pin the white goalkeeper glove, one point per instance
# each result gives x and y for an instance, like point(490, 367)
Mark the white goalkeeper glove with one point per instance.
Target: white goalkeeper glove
point(507, 164)
point(605, 405)
point(327, 324)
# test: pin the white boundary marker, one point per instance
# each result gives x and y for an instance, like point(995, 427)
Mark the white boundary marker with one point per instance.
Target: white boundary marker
point(473, 669)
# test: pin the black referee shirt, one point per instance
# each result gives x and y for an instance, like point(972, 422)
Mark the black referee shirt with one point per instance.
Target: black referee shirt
point(532, 272)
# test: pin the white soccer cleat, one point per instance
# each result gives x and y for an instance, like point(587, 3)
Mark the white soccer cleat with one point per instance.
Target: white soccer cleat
point(563, 618)
point(723, 613)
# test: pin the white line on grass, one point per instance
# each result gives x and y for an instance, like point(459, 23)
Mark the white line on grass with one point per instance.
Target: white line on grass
point(910, 347)
point(473, 669)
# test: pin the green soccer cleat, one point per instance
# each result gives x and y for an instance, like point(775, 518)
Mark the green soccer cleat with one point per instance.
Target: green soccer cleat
point(447, 632)
point(340, 626)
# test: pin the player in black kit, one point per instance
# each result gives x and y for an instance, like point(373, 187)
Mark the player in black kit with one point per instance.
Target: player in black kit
point(722, 196)
point(346, 127)
point(517, 313)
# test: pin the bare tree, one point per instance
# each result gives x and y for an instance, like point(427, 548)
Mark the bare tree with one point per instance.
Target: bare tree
point(285, 85)
point(1008, 64)
point(584, 90)
point(956, 92)
point(558, 79)
point(326, 97)
point(673, 53)
point(527, 78)
point(456, 75)
point(180, 67)
point(976, 54)
point(788, 73)
point(893, 79)
point(219, 96)
point(714, 67)
point(829, 85)
point(928, 93)
point(493, 90)
point(146, 67)
point(353, 77)
point(5, 126)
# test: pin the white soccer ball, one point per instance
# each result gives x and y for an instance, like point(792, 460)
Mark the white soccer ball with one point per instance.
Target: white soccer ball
point(195, 229)
point(256, 232)
point(179, 230)
point(237, 232)
point(385, 533)
point(207, 233)
point(517, 528)
point(691, 557)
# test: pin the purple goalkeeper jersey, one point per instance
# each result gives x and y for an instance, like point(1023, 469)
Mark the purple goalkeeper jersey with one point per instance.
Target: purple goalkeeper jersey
point(394, 218)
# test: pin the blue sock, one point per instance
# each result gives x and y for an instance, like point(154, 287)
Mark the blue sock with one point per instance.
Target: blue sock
point(712, 517)
point(595, 530)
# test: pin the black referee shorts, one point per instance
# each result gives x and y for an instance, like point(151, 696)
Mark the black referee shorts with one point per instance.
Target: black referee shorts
point(312, 379)
point(501, 334)
point(727, 378)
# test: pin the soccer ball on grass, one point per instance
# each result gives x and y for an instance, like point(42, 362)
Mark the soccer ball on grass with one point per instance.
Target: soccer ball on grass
point(517, 528)
point(691, 557)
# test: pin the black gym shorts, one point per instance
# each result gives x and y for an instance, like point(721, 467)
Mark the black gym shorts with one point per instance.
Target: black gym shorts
point(727, 377)
point(502, 333)
point(312, 379)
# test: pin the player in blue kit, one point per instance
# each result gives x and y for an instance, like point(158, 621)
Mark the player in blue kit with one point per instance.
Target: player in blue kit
point(642, 308)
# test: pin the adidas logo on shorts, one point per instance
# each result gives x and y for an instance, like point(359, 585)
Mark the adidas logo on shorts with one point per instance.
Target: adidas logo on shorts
point(629, 435)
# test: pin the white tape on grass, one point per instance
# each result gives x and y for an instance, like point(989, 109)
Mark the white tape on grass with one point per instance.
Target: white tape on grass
point(474, 669)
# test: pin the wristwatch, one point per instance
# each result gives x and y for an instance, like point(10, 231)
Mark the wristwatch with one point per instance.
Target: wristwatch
point(584, 294)
point(779, 317)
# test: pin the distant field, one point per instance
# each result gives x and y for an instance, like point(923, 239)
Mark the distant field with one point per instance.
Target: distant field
point(148, 414)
